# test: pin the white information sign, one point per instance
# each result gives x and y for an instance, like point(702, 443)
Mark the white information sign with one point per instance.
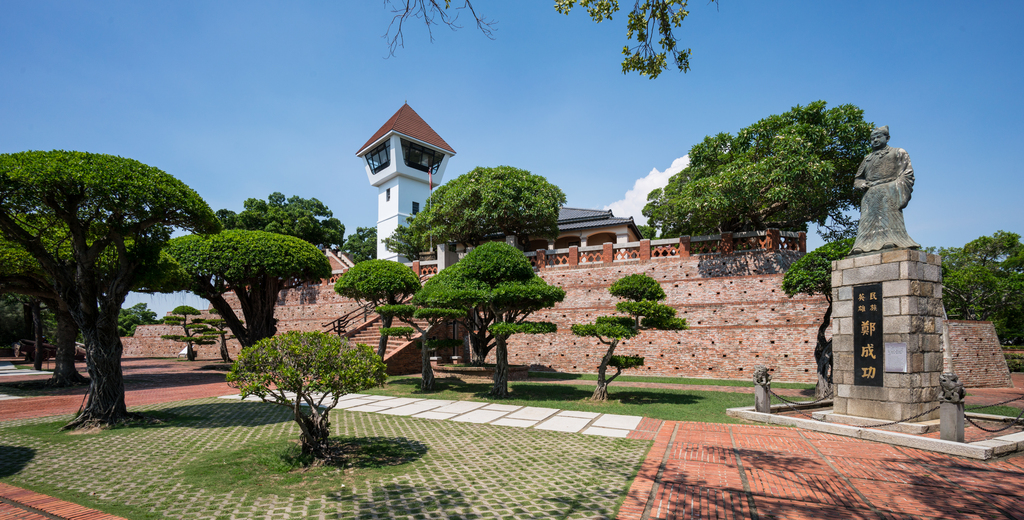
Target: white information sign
point(896, 357)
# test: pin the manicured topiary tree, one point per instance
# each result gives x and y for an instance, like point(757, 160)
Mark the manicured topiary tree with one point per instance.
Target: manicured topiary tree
point(812, 275)
point(116, 214)
point(412, 315)
point(255, 266)
point(642, 294)
point(496, 286)
point(194, 331)
point(378, 283)
point(317, 369)
point(218, 328)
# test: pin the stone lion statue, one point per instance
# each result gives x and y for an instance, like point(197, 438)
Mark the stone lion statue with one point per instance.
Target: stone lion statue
point(951, 390)
point(761, 375)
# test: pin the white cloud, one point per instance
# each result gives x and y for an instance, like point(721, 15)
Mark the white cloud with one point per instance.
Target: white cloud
point(633, 203)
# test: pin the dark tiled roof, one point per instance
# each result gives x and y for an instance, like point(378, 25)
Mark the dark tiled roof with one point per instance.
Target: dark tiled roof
point(576, 214)
point(406, 121)
point(586, 224)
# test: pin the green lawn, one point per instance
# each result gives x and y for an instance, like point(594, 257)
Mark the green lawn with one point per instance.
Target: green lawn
point(213, 458)
point(671, 380)
point(672, 404)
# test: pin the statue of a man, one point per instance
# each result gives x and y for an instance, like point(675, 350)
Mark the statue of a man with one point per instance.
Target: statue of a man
point(888, 177)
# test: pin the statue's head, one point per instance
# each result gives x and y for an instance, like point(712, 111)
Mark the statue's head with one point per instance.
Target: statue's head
point(880, 137)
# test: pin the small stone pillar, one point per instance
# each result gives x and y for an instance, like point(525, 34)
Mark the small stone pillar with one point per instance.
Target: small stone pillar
point(608, 252)
point(684, 247)
point(762, 390)
point(886, 325)
point(951, 408)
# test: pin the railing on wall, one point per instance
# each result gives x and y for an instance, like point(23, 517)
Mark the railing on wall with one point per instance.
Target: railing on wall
point(644, 250)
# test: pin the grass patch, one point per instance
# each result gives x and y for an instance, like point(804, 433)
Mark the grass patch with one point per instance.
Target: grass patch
point(279, 468)
point(51, 431)
point(670, 380)
point(657, 403)
point(1008, 411)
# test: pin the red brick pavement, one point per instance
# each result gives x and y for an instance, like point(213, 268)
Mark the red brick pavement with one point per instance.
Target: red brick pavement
point(22, 504)
point(719, 471)
point(147, 381)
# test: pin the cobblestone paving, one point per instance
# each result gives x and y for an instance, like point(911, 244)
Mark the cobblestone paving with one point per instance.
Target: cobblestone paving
point(468, 471)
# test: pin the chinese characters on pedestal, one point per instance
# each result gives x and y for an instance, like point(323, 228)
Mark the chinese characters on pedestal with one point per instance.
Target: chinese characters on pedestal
point(868, 351)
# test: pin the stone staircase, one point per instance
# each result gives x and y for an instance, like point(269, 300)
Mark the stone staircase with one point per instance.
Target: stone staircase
point(401, 357)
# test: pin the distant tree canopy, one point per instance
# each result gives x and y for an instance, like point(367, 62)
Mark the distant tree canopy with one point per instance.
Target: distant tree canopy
point(255, 265)
point(116, 213)
point(784, 172)
point(984, 280)
point(410, 239)
point(130, 318)
point(488, 201)
point(308, 219)
point(362, 244)
point(650, 28)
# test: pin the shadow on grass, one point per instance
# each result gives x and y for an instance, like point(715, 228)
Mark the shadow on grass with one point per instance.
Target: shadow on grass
point(377, 452)
point(218, 415)
point(14, 458)
point(395, 500)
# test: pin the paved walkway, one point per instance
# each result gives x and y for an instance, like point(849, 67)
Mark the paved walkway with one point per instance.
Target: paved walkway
point(694, 470)
point(569, 421)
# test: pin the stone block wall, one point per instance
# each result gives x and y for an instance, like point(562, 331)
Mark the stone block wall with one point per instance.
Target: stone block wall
point(911, 313)
point(977, 356)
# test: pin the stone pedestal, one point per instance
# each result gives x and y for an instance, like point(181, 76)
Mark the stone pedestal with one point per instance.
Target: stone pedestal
point(951, 421)
point(907, 322)
point(762, 399)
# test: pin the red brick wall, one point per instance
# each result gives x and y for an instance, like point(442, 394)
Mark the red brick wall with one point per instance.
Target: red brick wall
point(977, 356)
point(738, 316)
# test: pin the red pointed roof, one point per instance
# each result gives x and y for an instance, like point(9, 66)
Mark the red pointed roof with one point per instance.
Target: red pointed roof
point(407, 122)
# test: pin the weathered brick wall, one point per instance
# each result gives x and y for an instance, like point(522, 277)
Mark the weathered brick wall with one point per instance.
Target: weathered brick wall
point(738, 316)
point(977, 356)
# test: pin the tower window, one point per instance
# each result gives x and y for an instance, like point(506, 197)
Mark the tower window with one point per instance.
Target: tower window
point(420, 157)
point(415, 208)
point(380, 157)
point(387, 194)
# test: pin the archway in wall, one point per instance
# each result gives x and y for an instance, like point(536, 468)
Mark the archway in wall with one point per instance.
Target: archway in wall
point(537, 244)
point(600, 238)
point(566, 242)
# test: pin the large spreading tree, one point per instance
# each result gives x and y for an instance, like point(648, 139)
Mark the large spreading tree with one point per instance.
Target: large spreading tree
point(308, 219)
point(471, 208)
point(116, 214)
point(812, 275)
point(650, 27)
point(253, 265)
point(20, 273)
point(784, 172)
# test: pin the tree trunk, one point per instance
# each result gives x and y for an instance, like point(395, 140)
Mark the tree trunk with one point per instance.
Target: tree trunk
point(104, 404)
point(64, 372)
point(190, 353)
point(427, 375)
point(224, 356)
point(382, 344)
point(823, 356)
point(37, 333)
point(316, 428)
point(601, 391)
point(500, 388)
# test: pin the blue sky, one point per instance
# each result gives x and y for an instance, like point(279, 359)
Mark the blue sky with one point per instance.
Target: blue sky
point(241, 99)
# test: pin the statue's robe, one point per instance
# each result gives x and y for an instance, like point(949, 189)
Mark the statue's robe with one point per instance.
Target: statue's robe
point(881, 209)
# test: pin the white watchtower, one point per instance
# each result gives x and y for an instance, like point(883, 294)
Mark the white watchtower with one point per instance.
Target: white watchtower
point(404, 160)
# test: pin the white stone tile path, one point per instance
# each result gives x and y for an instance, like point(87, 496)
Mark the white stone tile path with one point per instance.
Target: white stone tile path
point(590, 423)
point(7, 369)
